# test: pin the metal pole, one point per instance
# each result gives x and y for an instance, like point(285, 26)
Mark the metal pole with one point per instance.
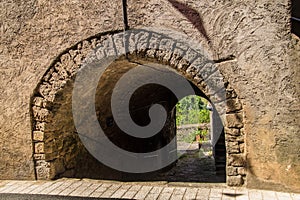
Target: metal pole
point(125, 17)
point(296, 19)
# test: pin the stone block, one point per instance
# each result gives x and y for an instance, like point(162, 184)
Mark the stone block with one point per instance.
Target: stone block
point(230, 93)
point(118, 40)
point(45, 89)
point(234, 120)
point(240, 139)
point(38, 136)
point(108, 47)
point(141, 39)
point(236, 160)
point(166, 44)
point(206, 70)
point(242, 147)
point(41, 114)
point(39, 156)
point(38, 101)
point(183, 65)
point(232, 147)
point(241, 171)
point(154, 41)
point(175, 59)
point(191, 55)
point(235, 180)
point(232, 131)
point(39, 147)
point(40, 126)
point(150, 53)
point(42, 173)
point(192, 70)
point(232, 171)
point(180, 49)
point(233, 105)
point(42, 163)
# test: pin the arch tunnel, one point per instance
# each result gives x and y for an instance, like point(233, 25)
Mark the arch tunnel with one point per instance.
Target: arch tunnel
point(70, 158)
point(58, 149)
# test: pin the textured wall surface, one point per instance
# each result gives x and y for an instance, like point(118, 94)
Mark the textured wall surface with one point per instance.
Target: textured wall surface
point(251, 40)
point(33, 33)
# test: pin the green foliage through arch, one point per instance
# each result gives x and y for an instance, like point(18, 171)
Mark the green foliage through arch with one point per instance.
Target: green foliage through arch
point(192, 110)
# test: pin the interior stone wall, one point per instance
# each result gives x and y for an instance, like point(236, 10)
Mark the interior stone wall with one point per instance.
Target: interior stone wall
point(251, 41)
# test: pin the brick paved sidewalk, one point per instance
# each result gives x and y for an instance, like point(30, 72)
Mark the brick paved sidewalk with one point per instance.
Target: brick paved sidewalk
point(145, 190)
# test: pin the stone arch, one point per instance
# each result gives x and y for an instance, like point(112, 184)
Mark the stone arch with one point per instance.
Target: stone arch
point(144, 45)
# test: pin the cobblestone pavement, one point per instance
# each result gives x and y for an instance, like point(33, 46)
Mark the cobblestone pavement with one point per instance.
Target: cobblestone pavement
point(139, 190)
point(196, 165)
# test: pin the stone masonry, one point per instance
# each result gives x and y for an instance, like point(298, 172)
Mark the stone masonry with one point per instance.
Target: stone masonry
point(43, 44)
point(66, 66)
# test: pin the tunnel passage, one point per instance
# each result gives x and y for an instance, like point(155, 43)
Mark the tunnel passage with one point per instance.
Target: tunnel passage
point(58, 151)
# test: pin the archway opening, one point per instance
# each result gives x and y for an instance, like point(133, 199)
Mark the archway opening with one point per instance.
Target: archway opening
point(68, 157)
point(59, 152)
point(198, 160)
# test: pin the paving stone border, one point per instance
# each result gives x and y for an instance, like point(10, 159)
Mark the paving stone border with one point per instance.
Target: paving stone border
point(85, 188)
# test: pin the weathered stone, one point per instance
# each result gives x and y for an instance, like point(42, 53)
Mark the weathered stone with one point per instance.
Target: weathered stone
point(183, 65)
point(231, 138)
point(206, 72)
point(166, 44)
point(38, 135)
point(45, 89)
point(164, 56)
point(180, 49)
point(69, 173)
point(235, 180)
point(261, 66)
point(192, 70)
point(57, 167)
point(241, 171)
point(175, 59)
point(150, 53)
point(39, 156)
point(234, 120)
point(38, 101)
point(230, 94)
point(232, 171)
point(43, 172)
point(41, 114)
point(232, 131)
point(118, 40)
point(242, 147)
point(155, 41)
point(233, 105)
point(141, 40)
point(39, 147)
point(40, 126)
point(50, 146)
point(240, 139)
point(236, 160)
point(42, 163)
point(233, 147)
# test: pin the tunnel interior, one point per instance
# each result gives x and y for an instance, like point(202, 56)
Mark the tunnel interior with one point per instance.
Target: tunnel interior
point(68, 157)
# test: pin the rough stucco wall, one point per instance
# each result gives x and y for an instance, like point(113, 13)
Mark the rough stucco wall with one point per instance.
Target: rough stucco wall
point(32, 34)
point(256, 33)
